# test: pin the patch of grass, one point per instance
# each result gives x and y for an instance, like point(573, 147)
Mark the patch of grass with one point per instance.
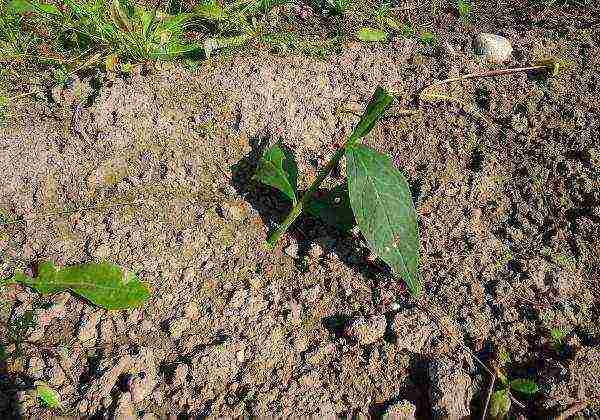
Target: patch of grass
point(85, 32)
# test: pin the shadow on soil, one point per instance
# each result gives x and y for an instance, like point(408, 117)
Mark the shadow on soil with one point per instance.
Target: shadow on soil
point(8, 390)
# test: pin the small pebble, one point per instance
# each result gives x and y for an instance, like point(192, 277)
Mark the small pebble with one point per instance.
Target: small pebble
point(495, 48)
point(292, 250)
point(366, 330)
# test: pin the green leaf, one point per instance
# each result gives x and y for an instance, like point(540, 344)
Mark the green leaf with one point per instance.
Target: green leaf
point(382, 204)
point(372, 35)
point(379, 103)
point(333, 207)
point(49, 396)
point(500, 403)
point(525, 386)
point(103, 284)
point(278, 169)
point(20, 7)
point(48, 8)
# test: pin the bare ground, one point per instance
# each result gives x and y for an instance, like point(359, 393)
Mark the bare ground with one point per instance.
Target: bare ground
point(153, 172)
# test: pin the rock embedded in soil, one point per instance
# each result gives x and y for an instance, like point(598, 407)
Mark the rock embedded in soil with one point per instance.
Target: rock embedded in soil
point(451, 391)
point(366, 330)
point(494, 48)
point(402, 410)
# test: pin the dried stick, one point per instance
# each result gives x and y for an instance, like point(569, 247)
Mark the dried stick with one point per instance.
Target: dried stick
point(489, 397)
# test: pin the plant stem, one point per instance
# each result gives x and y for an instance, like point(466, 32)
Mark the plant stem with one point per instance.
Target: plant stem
point(297, 209)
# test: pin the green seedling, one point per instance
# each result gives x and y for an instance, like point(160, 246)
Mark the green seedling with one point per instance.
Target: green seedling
point(105, 285)
point(465, 9)
point(557, 337)
point(429, 39)
point(377, 196)
point(372, 35)
point(500, 396)
point(385, 20)
point(49, 397)
point(337, 7)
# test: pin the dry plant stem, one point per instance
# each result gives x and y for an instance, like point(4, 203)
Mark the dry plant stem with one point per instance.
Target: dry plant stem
point(489, 397)
point(489, 73)
point(21, 96)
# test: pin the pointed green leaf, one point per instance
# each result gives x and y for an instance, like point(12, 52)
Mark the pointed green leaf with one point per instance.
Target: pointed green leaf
point(49, 396)
point(380, 101)
point(333, 207)
point(372, 35)
point(499, 404)
point(103, 284)
point(278, 169)
point(48, 8)
point(20, 7)
point(526, 386)
point(382, 204)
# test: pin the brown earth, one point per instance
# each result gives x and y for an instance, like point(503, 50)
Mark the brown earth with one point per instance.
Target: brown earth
point(153, 172)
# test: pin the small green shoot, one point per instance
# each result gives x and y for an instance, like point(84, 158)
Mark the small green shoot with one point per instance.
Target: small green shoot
point(337, 7)
point(428, 39)
point(372, 35)
point(105, 285)
point(49, 397)
point(465, 9)
point(557, 336)
point(501, 397)
point(378, 195)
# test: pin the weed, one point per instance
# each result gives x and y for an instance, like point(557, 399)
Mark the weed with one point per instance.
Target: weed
point(49, 397)
point(384, 18)
point(500, 396)
point(377, 196)
point(428, 39)
point(337, 7)
point(557, 336)
point(465, 9)
point(97, 29)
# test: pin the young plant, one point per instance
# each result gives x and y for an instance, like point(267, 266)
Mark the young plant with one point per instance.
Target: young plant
point(377, 195)
point(500, 392)
point(47, 395)
point(557, 337)
point(465, 9)
point(337, 7)
point(104, 284)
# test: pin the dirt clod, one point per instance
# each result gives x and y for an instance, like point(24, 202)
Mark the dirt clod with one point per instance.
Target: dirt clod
point(451, 390)
point(366, 330)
